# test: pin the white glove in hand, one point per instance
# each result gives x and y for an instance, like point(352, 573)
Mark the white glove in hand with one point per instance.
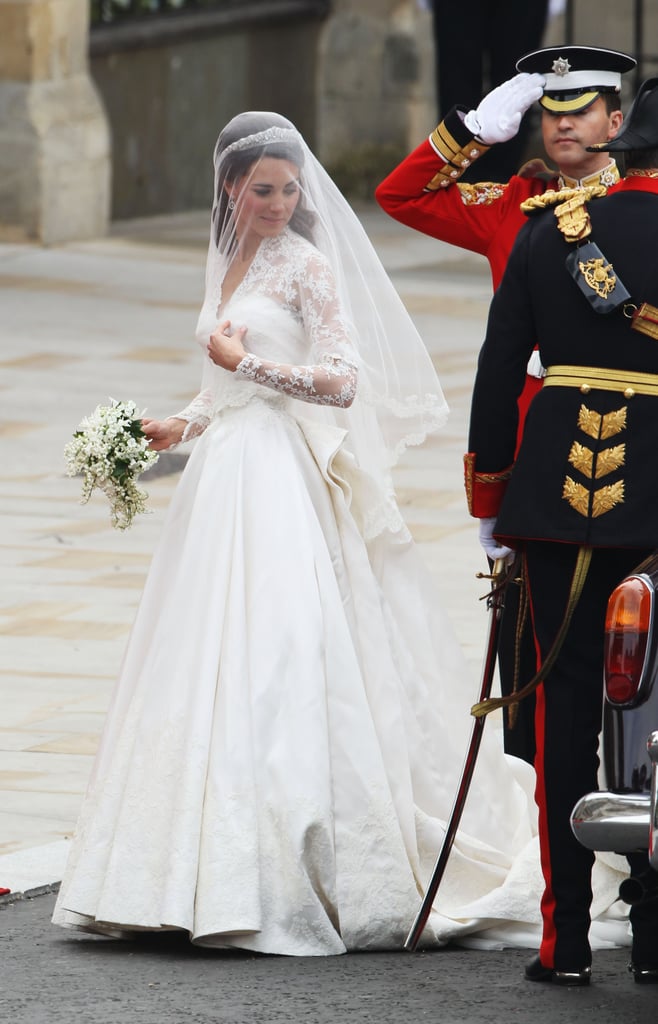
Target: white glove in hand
point(491, 547)
point(499, 114)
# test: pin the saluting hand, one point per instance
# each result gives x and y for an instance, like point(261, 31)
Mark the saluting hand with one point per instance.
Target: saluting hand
point(225, 348)
point(498, 117)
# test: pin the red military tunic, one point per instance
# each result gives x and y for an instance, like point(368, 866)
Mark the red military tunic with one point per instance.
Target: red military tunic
point(424, 192)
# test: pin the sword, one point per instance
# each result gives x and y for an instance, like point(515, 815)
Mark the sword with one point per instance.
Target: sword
point(500, 576)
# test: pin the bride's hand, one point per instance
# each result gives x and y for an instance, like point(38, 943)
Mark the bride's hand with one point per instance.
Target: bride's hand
point(226, 349)
point(163, 433)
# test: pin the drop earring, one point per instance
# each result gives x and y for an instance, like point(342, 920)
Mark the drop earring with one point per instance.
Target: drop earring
point(231, 204)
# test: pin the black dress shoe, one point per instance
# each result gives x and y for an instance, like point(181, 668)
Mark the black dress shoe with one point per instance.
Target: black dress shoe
point(535, 971)
point(644, 975)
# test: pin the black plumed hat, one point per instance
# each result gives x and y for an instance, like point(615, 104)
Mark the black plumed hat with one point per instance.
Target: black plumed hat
point(640, 127)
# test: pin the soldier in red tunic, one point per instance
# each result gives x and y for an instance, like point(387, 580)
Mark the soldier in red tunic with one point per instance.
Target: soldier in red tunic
point(578, 88)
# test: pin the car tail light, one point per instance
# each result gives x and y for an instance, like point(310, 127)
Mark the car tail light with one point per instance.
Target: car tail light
point(627, 624)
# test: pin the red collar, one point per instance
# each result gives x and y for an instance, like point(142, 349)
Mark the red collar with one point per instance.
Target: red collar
point(635, 183)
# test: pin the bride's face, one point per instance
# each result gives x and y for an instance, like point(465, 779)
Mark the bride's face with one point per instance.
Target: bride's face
point(265, 199)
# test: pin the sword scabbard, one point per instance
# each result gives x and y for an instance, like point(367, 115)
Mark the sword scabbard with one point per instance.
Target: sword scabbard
point(500, 575)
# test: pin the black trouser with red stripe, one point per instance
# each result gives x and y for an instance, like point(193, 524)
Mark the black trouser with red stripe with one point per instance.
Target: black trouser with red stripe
point(568, 722)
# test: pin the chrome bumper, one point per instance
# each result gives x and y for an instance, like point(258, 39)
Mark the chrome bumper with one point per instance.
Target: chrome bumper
point(652, 747)
point(621, 822)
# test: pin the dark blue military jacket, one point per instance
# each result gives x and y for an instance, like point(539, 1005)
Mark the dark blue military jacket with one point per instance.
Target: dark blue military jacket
point(587, 469)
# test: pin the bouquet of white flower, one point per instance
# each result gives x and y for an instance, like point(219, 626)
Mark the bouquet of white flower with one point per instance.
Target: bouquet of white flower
point(110, 450)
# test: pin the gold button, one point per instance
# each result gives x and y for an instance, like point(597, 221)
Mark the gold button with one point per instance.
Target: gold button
point(585, 389)
point(629, 392)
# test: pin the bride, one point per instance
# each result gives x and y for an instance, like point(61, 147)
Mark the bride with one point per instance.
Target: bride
point(286, 735)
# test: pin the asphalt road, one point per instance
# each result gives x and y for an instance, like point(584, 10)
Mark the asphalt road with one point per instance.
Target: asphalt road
point(49, 976)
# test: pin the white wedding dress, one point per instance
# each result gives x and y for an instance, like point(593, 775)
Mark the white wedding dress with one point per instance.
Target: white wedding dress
point(287, 733)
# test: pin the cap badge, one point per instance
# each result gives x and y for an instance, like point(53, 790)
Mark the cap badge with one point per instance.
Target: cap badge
point(561, 67)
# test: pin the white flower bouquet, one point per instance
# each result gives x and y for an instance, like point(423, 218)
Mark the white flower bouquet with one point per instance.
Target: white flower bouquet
point(110, 450)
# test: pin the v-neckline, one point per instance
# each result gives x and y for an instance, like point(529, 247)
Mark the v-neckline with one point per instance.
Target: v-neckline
point(240, 284)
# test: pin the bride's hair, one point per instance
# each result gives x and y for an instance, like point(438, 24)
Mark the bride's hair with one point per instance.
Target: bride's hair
point(239, 163)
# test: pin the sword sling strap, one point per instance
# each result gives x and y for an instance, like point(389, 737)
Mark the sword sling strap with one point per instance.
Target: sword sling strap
point(521, 623)
point(485, 707)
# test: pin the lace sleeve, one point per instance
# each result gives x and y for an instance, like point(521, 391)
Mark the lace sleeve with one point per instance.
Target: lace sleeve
point(198, 413)
point(331, 382)
point(324, 317)
point(332, 378)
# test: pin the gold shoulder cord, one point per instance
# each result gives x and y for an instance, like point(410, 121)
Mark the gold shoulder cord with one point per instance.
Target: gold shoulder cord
point(573, 217)
point(551, 197)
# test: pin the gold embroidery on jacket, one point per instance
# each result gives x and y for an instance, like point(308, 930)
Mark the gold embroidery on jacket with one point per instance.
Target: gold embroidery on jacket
point(607, 497)
point(589, 421)
point(484, 193)
point(581, 458)
point(592, 423)
point(613, 423)
point(577, 496)
point(610, 459)
point(594, 465)
point(599, 276)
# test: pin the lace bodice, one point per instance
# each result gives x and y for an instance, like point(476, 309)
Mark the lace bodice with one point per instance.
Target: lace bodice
point(298, 340)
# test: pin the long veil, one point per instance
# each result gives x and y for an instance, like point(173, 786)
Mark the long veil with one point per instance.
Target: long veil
point(399, 398)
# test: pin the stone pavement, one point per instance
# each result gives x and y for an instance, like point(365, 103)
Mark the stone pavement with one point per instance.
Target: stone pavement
point(115, 317)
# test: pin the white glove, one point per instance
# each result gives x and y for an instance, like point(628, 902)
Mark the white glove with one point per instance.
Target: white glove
point(499, 114)
point(491, 547)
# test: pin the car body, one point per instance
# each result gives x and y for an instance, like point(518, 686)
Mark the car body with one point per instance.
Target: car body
point(623, 817)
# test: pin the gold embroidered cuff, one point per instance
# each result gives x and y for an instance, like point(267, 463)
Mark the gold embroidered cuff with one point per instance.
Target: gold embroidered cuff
point(484, 491)
point(458, 156)
point(444, 142)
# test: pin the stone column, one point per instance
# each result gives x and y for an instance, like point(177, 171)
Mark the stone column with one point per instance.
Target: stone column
point(376, 77)
point(54, 140)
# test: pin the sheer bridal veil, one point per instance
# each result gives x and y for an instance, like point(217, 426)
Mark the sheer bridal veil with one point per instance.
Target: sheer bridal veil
point(399, 397)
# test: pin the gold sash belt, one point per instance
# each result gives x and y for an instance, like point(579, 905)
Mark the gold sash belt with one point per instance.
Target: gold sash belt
point(597, 378)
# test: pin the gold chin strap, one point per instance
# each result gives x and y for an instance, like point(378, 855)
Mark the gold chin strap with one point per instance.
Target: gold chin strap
point(581, 568)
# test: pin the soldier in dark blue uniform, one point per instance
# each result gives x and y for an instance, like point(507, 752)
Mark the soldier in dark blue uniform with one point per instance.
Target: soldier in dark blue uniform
point(580, 499)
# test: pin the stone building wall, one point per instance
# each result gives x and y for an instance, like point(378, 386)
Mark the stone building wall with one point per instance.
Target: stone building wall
point(356, 76)
point(168, 91)
point(54, 143)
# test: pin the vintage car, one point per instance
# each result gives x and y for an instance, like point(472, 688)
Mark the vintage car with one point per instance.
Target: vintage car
point(623, 816)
